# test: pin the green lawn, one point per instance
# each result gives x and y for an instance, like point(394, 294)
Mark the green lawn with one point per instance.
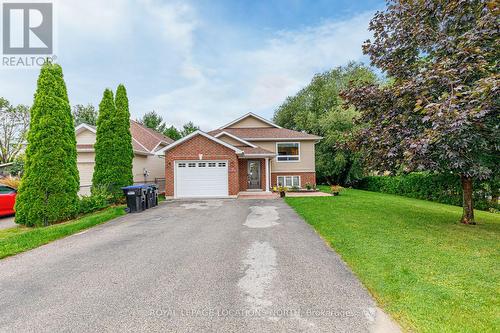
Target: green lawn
point(429, 272)
point(16, 240)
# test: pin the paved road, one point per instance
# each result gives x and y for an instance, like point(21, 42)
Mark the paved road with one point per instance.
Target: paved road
point(199, 266)
point(7, 222)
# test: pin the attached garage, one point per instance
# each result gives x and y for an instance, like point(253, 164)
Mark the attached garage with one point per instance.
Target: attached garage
point(202, 179)
point(201, 166)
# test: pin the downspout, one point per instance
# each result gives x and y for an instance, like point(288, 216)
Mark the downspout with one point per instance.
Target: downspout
point(268, 175)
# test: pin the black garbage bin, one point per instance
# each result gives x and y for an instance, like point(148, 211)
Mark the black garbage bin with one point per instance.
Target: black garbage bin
point(136, 198)
point(154, 199)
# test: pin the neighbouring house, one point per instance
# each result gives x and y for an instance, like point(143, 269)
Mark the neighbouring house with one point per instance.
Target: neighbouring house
point(248, 154)
point(148, 165)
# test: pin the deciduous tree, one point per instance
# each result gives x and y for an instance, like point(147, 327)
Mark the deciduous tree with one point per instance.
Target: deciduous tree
point(173, 133)
point(318, 109)
point(85, 114)
point(154, 121)
point(14, 124)
point(188, 128)
point(441, 111)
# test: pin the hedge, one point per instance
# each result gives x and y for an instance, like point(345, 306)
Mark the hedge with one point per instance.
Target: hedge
point(443, 188)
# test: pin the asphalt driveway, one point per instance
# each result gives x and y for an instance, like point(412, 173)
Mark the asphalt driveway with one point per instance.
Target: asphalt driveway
point(7, 222)
point(193, 266)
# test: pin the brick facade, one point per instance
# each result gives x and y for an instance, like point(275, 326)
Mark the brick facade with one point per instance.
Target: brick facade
point(191, 150)
point(237, 168)
point(243, 171)
point(305, 177)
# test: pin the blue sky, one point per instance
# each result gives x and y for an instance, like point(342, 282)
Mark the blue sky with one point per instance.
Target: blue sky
point(200, 60)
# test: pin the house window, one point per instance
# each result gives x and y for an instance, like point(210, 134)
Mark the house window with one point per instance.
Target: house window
point(202, 165)
point(192, 165)
point(289, 181)
point(222, 165)
point(288, 151)
point(211, 165)
point(182, 165)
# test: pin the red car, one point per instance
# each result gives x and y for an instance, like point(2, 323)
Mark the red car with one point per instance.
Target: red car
point(7, 200)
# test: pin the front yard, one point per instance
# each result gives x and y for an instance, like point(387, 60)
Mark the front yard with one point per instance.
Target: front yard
point(20, 239)
point(423, 267)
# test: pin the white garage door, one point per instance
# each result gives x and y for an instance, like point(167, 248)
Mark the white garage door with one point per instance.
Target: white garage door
point(201, 179)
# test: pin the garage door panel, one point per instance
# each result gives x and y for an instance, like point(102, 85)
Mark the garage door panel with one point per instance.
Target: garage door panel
point(201, 179)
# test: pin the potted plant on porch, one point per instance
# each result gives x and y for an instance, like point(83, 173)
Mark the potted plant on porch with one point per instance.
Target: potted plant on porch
point(282, 190)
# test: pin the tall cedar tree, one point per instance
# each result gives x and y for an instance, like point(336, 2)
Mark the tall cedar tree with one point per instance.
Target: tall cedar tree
point(106, 171)
point(48, 190)
point(441, 111)
point(124, 151)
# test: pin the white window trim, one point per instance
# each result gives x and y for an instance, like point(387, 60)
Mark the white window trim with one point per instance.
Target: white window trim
point(277, 153)
point(300, 180)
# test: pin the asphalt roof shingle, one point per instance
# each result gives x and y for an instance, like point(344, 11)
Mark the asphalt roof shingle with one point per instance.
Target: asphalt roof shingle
point(255, 151)
point(146, 136)
point(144, 140)
point(266, 133)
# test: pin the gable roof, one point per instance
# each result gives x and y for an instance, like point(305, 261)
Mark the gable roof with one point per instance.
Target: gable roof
point(198, 132)
point(250, 114)
point(80, 128)
point(147, 137)
point(266, 134)
point(256, 151)
point(235, 138)
point(145, 141)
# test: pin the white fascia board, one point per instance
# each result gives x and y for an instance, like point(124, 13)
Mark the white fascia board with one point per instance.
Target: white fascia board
point(236, 138)
point(250, 114)
point(198, 132)
point(82, 126)
point(283, 139)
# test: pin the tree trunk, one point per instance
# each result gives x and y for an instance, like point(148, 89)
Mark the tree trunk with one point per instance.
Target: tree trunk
point(468, 214)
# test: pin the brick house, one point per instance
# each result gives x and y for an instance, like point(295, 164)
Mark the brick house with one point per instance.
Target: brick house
point(248, 154)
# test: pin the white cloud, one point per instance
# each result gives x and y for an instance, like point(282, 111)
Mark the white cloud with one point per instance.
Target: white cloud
point(179, 63)
point(94, 19)
point(260, 79)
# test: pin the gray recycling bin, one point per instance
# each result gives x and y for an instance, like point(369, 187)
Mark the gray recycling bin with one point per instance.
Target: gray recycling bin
point(151, 196)
point(136, 198)
point(155, 191)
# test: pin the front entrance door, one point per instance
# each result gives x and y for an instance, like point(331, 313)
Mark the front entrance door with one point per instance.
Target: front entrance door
point(253, 175)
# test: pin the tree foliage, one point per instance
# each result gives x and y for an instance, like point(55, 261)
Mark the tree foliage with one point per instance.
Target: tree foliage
point(188, 128)
point(105, 173)
point(14, 125)
point(113, 148)
point(154, 121)
point(441, 111)
point(124, 151)
point(318, 109)
point(173, 133)
point(85, 114)
point(48, 190)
